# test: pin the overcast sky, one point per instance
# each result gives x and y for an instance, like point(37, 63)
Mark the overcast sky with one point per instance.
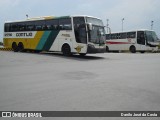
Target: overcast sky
point(137, 14)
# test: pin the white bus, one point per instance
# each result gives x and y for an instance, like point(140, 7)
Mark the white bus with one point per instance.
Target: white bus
point(66, 34)
point(133, 41)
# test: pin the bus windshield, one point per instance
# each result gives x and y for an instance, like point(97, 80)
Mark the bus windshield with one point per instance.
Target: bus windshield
point(151, 36)
point(94, 21)
point(97, 34)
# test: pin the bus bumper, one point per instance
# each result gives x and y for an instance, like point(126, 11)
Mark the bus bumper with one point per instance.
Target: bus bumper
point(92, 49)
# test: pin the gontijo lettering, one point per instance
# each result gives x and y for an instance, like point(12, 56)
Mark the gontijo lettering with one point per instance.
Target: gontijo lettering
point(8, 34)
point(23, 34)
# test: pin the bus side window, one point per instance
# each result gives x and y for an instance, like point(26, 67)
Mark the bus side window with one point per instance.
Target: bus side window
point(123, 36)
point(30, 26)
point(140, 38)
point(14, 27)
point(40, 25)
point(21, 26)
point(65, 24)
point(108, 36)
point(7, 27)
point(118, 35)
point(52, 24)
point(131, 35)
point(114, 36)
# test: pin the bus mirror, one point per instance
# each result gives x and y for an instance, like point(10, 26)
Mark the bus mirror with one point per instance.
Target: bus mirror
point(90, 26)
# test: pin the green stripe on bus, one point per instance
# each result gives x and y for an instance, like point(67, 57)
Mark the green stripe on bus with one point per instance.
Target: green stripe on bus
point(43, 40)
point(50, 40)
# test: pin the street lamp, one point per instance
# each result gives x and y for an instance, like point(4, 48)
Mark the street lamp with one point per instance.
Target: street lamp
point(27, 16)
point(152, 24)
point(122, 23)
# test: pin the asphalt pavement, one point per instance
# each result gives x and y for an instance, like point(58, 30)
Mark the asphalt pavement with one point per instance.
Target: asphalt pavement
point(96, 82)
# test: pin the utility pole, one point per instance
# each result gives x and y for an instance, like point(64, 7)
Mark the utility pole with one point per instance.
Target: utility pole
point(27, 16)
point(152, 25)
point(107, 25)
point(122, 23)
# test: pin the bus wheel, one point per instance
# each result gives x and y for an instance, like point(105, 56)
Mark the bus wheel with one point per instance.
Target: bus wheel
point(107, 49)
point(82, 54)
point(132, 49)
point(142, 51)
point(37, 51)
point(14, 47)
point(66, 50)
point(21, 47)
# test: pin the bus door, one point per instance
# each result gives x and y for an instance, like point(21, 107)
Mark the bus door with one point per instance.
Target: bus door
point(141, 40)
point(80, 31)
point(101, 37)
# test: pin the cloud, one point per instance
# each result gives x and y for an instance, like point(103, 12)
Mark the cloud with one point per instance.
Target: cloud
point(9, 3)
point(136, 13)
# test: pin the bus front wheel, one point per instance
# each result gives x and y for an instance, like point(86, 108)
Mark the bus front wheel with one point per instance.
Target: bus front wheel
point(107, 49)
point(66, 50)
point(132, 49)
point(82, 54)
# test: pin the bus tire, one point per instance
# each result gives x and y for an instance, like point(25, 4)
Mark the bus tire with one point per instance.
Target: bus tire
point(66, 50)
point(14, 47)
point(37, 51)
point(132, 49)
point(20, 47)
point(107, 49)
point(82, 54)
point(142, 51)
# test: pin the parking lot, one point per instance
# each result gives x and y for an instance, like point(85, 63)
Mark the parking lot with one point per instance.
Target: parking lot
point(96, 82)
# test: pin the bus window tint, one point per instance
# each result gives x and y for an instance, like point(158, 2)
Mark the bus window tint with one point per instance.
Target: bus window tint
point(40, 25)
point(131, 35)
point(14, 27)
point(122, 35)
point(30, 26)
point(52, 24)
point(151, 36)
point(140, 37)
point(114, 36)
point(108, 36)
point(7, 27)
point(21, 26)
point(65, 24)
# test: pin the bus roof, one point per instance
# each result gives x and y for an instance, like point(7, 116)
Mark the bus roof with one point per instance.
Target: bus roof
point(49, 17)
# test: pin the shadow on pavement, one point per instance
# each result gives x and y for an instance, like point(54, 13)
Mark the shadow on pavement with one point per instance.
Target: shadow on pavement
point(74, 57)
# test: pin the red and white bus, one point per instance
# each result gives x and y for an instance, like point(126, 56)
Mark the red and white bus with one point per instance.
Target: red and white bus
point(133, 41)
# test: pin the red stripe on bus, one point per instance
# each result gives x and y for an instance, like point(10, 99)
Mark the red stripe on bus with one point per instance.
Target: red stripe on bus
point(117, 43)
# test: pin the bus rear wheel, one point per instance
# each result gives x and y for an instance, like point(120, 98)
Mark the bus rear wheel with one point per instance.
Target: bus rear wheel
point(20, 47)
point(132, 49)
point(142, 51)
point(14, 47)
point(66, 50)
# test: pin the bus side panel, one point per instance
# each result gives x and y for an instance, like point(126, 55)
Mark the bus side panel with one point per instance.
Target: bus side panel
point(50, 39)
point(32, 43)
point(28, 43)
point(68, 37)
